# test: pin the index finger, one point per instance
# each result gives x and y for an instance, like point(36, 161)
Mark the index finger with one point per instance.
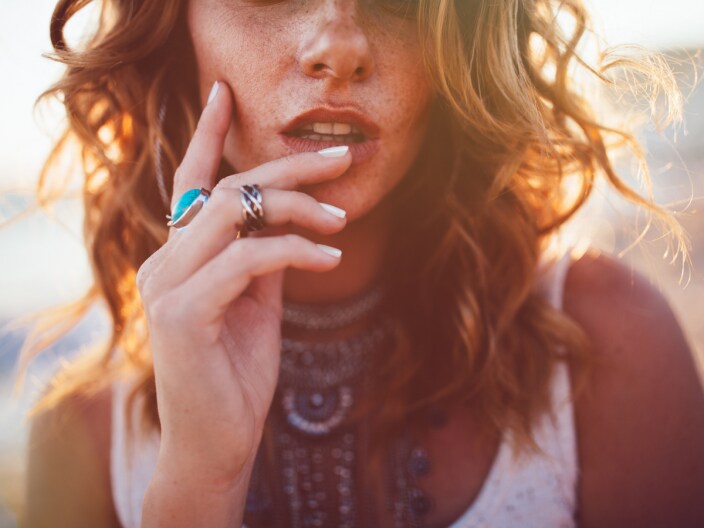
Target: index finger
point(200, 164)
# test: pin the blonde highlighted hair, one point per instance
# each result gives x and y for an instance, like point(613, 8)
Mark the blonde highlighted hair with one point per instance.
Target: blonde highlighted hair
point(510, 127)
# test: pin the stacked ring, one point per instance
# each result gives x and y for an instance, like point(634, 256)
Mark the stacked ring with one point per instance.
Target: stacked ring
point(187, 207)
point(252, 210)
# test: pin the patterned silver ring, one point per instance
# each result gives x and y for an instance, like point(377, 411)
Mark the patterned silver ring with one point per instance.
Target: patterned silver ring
point(252, 209)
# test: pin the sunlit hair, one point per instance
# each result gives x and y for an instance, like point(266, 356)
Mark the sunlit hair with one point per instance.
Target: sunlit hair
point(510, 129)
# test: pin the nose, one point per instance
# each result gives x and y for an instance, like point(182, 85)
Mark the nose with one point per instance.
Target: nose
point(337, 46)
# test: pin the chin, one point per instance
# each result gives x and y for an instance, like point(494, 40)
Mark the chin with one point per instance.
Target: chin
point(357, 191)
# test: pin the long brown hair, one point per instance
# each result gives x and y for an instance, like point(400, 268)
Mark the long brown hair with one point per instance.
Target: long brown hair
point(509, 130)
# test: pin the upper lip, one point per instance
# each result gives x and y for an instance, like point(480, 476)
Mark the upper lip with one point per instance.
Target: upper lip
point(332, 115)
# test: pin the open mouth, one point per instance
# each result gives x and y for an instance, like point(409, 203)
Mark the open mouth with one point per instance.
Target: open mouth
point(324, 128)
point(320, 135)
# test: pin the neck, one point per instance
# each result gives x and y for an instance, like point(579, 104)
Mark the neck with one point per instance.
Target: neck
point(363, 243)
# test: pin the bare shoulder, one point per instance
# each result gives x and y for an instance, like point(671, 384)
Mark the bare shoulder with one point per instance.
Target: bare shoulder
point(68, 465)
point(640, 420)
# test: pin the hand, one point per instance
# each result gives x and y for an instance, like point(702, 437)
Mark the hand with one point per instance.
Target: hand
point(214, 303)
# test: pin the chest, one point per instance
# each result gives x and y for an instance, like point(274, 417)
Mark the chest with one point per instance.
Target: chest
point(459, 461)
point(334, 482)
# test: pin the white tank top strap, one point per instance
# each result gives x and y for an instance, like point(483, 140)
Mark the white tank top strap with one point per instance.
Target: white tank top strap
point(132, 459)
point(562, 434)
point(551, 275)
point(537, 491)
point(565, 427)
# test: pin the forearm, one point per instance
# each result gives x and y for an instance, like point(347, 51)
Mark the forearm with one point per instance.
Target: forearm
point(176, 498)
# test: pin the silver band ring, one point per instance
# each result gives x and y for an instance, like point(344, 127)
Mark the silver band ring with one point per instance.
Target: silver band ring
point(252, 209)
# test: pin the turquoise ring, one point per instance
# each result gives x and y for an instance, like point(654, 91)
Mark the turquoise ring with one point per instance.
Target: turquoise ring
point(187, 207)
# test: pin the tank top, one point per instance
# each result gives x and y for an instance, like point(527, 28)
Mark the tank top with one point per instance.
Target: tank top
point(533, 491)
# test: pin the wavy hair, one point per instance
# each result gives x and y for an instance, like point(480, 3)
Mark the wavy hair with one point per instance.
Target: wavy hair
point(510, 130)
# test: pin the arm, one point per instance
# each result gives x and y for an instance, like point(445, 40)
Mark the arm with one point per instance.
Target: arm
point(68, 480)
point(640, 421)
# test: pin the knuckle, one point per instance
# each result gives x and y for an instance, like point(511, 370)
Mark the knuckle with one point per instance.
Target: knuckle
point(140, 279)
point(156, 310)
point(218, 194)
point(229, 184)
point(290, 159)
point(238, 249)
point(225, 184)
point(287, 168)
point(305, 199)
point(151, 307)
point(168, 311)
point(298, 178)
point(143, 274)
point(295, 242)
point(303, 206)
point(223, 202)
point(178, 173)
point(244, 259)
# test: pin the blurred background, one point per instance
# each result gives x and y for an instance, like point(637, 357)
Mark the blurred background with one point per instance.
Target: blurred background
point(43, 262)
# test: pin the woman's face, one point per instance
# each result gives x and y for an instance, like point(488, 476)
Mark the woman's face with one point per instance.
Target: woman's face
point(309, 74)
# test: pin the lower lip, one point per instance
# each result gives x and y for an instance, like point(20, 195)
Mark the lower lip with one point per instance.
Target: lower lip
point(361, 152)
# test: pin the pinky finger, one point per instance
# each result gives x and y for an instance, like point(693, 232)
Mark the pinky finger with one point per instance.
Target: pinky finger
point(216, 284)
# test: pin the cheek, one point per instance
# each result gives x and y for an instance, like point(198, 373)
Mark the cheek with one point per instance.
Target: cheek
point(227, 37)
point(406, 103)
point(405, 92)
point(250, 142)
point(229, 47)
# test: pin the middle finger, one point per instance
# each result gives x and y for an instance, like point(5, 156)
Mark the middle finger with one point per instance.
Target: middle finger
point(294, 170)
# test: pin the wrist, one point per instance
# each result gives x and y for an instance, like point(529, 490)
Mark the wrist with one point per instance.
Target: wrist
point(178, 495)
point(181, 460)
point(187, 467)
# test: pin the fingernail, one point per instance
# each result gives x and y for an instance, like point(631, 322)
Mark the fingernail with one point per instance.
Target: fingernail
point(334, 152)
point(213, 92)
point(340, 213)
point(330, 250)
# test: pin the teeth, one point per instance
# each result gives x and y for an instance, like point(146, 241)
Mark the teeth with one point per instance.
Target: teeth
point(341, 129)
point(323, 128)
point(336, 129)
point(321, 137)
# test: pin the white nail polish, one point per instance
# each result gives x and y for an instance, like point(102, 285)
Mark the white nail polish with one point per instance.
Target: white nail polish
point(330, 250)
point(334, 152)
point(340, 213)
point(213, 92)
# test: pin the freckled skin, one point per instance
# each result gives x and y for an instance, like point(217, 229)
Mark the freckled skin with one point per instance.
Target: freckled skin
point(268, 53)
